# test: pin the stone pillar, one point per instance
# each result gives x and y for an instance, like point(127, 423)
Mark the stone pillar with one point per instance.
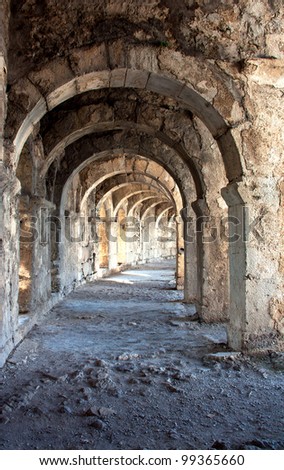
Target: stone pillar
point(150, 239)
point(35, 253)
point(132, 232)
point(4, 24)
point(255, 279)
point(26, 255)
point(5, 325)
point(90, 240)
point(9, 188)
point(262, 188)
point(56, 232)
point(9, 256)
point(145, 240)
point(142, 254)
point(3, 104)
point(238, 269)
point(103, 244)
point(212, 266)
point(180, 253)
point(121, 242)
point(140, 244)
point(77, 267)
point(201, 211)
point(112, 237)
point(204, 253)
point(43, 211)
point(191, 280)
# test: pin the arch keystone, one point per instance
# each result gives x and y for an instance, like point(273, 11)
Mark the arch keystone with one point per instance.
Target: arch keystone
point(117, 78)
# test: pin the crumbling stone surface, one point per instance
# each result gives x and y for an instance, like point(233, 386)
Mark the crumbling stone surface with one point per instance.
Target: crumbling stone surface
point(276, 312)
point(233, 31)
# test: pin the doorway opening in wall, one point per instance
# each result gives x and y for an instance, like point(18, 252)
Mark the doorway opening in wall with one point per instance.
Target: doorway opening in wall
point(121, 242)
point(131, 238)
point(25, 267)
point(27, 234)
point(104, 242)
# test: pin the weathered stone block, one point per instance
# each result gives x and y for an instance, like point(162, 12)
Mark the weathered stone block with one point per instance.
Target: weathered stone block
point(164, 85)
point(117, 54)
point(61, 94)
point(93, 81)
point(28, 124)
point(117, 78)
point(22, 98)
point(204, 110)
point(143, 58)
point(136, 78)
point(89, 60)
point(231, 158)
point(52, 76)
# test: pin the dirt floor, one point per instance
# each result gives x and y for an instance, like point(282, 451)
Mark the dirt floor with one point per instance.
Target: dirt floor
point(122, 363)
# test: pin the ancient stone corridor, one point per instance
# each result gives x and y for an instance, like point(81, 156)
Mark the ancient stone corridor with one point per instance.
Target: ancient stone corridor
point(123, 363)
point(141, 223)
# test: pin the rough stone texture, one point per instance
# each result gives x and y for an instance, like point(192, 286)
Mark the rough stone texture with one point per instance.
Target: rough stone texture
point(183, 101)
point(4, 27)
point(3, 106)
point(224, 30)
point(4, 15)
point(9, 266)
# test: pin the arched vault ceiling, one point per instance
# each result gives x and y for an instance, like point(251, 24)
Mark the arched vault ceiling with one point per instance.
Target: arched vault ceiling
point(112, 104)
point(131, 198)
point(133, 168)
point(162, 212)
point(136, 190)
point(151, 204)
point(106, 110)
point(122, 133)
point(122, 194)
point(88, 114)
point(26, 111)
point(91, 147)
point(143, 183)
point(135, 202)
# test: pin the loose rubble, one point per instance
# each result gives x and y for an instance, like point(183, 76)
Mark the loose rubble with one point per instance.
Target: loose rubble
point(134, 381)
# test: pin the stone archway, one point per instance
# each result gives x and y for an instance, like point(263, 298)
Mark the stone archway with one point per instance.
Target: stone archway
point(45, 96)
point(140, 79)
